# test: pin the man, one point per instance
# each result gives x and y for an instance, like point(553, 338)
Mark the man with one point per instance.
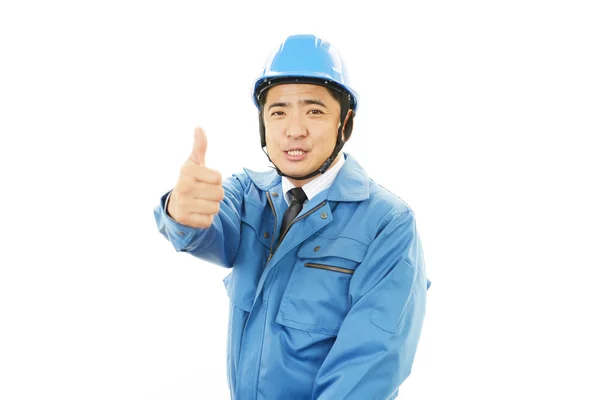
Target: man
point(327, 282)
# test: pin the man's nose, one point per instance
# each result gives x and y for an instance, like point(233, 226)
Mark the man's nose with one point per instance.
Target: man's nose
point(296, 129)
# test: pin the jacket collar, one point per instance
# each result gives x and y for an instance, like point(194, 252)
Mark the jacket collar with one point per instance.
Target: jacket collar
point(351, 183)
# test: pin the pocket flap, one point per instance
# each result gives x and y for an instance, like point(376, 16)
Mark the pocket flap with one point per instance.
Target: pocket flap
point(262, 226)
point(342, 247)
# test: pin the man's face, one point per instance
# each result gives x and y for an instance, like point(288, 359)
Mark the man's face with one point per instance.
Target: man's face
point(301, 124)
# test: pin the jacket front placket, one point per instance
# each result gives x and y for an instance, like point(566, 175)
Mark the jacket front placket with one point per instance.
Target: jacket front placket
point(315, 215)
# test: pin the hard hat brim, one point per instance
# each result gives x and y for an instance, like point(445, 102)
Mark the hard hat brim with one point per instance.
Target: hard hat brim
point(266, 82)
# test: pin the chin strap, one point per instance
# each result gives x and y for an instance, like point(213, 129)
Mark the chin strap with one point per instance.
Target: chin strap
point(338, 146)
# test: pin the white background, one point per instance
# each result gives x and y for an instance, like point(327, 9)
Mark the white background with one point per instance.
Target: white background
point(483, 116)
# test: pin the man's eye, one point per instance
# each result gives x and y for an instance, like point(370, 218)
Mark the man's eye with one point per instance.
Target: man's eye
point(276, 113)
point(315, 112)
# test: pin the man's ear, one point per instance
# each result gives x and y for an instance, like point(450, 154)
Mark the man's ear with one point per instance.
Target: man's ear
point(348, 115)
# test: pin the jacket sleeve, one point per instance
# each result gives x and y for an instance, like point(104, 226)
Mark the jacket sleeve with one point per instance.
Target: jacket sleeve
point(217, 244)
point(376, 344)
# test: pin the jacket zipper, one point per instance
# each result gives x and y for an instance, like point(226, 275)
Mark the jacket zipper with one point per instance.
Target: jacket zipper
point(329, 268)
point(274, 228)
point(289, 226)
point(296, 220)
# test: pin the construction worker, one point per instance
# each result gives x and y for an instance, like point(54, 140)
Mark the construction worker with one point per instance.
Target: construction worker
point(328, 284)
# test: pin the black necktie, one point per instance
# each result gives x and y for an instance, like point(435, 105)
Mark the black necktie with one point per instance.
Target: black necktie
point(298, 199)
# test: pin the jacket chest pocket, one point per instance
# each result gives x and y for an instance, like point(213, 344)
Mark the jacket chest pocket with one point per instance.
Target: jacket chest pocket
point(262, 223)
point(316, 298)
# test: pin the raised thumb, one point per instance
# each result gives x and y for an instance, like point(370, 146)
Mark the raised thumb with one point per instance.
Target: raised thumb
point(199, 152)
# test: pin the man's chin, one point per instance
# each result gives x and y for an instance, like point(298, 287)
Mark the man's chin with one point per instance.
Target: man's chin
point(294, 170)
point(292, 173)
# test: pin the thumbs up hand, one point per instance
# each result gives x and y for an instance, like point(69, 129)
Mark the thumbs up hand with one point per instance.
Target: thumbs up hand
point(198, 155)
point(195, 199)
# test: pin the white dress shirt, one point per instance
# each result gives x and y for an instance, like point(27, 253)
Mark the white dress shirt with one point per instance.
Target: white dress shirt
point(317, 185)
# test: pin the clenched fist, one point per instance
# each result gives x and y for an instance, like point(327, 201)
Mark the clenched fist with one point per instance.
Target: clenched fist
point(195, 199)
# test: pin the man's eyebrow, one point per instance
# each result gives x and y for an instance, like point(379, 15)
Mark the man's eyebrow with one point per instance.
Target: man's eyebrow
point(314, 101)
point(279, 104)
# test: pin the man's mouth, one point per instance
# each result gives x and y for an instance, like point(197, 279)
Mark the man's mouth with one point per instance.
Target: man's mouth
point(296, 152)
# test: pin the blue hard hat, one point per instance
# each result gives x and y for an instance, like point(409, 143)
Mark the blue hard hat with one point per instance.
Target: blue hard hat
point(305, 59)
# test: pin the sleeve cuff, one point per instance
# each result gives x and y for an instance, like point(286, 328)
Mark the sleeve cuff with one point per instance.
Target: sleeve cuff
point(179, 235)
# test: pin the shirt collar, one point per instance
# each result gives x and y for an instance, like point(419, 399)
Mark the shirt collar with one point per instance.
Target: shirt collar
point(351, 184)
point(317, 185)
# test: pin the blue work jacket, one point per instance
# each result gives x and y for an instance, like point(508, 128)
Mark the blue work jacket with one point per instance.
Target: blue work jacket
point(333, 311)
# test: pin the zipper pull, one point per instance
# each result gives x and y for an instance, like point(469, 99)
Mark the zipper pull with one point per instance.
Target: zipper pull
point(270, 256)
